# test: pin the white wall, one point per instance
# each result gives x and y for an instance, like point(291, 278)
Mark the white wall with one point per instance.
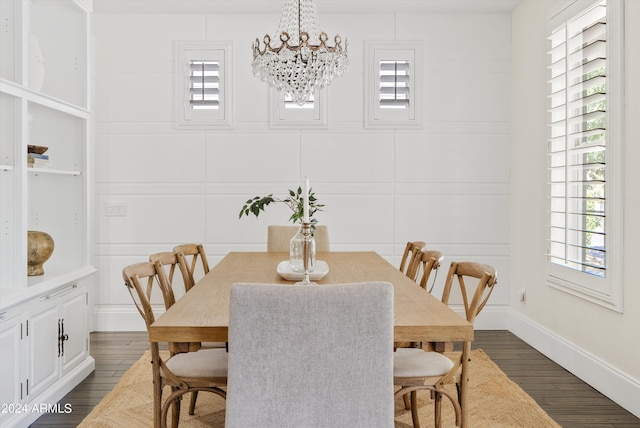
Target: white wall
point(447, 184)
point(599, 345)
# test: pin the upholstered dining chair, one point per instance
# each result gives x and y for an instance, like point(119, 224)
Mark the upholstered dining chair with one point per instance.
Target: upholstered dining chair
point(410, 251)
point(415, 369)
point(279, 237)
point(204, 370)
point(310, 356)
point(188, 255)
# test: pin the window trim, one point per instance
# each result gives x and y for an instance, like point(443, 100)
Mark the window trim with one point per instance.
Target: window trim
point(384, 118)
point(608, 291)
point(307, 118)
point(220, 118)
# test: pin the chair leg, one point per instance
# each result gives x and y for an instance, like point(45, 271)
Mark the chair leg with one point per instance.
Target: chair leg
point(414, 409)
point(407, 403)
point(175, 411)
point(437, 413)
point(192, 403)
point(157, 406)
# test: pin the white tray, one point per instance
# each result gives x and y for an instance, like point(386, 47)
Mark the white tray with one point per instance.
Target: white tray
point(284, 270)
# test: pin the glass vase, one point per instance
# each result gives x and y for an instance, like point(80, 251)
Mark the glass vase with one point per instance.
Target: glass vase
point(302, 251)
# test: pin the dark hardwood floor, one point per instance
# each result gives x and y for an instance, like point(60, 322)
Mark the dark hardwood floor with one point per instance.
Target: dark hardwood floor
point(567, 399)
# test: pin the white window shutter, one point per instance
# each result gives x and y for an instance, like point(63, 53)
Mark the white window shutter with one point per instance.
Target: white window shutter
point(394, 90)
point(204, 85)
point(581, 176)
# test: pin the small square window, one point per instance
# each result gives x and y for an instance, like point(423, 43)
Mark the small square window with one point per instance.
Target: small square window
point(393, 85)
point(203, 79)
point(286, 114)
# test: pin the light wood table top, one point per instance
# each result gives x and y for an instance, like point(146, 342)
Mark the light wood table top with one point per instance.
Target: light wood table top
point(202, 314)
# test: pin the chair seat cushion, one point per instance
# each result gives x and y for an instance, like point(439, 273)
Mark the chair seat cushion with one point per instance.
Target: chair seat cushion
point(204, 363)
point(207, 345)
point(414, 362)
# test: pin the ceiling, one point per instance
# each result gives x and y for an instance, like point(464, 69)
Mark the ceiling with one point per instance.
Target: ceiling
point(324, 6)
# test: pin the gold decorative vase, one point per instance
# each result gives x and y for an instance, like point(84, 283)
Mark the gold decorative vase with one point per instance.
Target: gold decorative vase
point(39, 248)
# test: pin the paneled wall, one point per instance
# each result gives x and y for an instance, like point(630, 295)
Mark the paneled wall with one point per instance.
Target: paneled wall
point(447, 184)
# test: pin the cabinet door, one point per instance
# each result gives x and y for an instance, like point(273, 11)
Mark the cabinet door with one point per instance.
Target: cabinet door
point(74, 323)
point(42, 331)
point(10, 358)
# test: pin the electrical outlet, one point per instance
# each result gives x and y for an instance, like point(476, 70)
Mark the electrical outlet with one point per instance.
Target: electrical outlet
point(116, 209)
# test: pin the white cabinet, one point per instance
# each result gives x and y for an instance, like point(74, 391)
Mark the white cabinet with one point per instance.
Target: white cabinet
point(74, 337)
point(44, 101)
point(57, 337)
point(44, 353)
point(41, 331)
point(11, 387)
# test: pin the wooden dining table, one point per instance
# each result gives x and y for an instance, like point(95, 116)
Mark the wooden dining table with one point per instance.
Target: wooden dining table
point(202, 314)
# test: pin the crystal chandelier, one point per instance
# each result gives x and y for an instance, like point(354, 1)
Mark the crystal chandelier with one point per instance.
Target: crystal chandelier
point(298, 67)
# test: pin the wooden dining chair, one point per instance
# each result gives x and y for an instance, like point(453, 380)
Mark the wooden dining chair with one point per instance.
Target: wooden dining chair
point(415, 369)
point(410, 251)
point(188, 255)
point(425, 262)
point(168, 261)
point(310, 356)
point(204, 370)
point(279, 237)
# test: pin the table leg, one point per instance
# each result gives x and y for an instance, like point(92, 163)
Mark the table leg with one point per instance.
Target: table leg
point(464, 383)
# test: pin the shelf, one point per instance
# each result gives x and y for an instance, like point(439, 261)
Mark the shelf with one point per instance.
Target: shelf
point(53, 171)
point(24, 92)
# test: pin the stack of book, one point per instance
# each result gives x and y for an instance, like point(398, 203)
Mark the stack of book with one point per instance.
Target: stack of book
point(36, 157)
point(36, 160)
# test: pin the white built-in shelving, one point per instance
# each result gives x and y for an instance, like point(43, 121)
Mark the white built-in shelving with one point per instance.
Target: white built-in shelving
point(44, 101)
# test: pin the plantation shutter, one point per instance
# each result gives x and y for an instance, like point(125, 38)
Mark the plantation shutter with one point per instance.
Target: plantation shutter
point(289, 103)
point(204, 85)
point(394, 84)
point(577, 142)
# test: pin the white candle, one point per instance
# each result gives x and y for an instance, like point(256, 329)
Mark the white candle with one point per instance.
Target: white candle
point(305, 205)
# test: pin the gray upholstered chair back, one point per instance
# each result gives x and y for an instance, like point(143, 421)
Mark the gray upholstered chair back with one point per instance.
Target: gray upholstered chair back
point(278, 237)
point(310, 356)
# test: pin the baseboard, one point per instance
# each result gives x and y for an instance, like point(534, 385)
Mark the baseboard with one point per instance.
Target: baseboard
point(619, 387)
point(491, 318)
point(108, 318)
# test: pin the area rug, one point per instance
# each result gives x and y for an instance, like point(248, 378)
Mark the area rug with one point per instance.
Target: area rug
point(494, 402)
